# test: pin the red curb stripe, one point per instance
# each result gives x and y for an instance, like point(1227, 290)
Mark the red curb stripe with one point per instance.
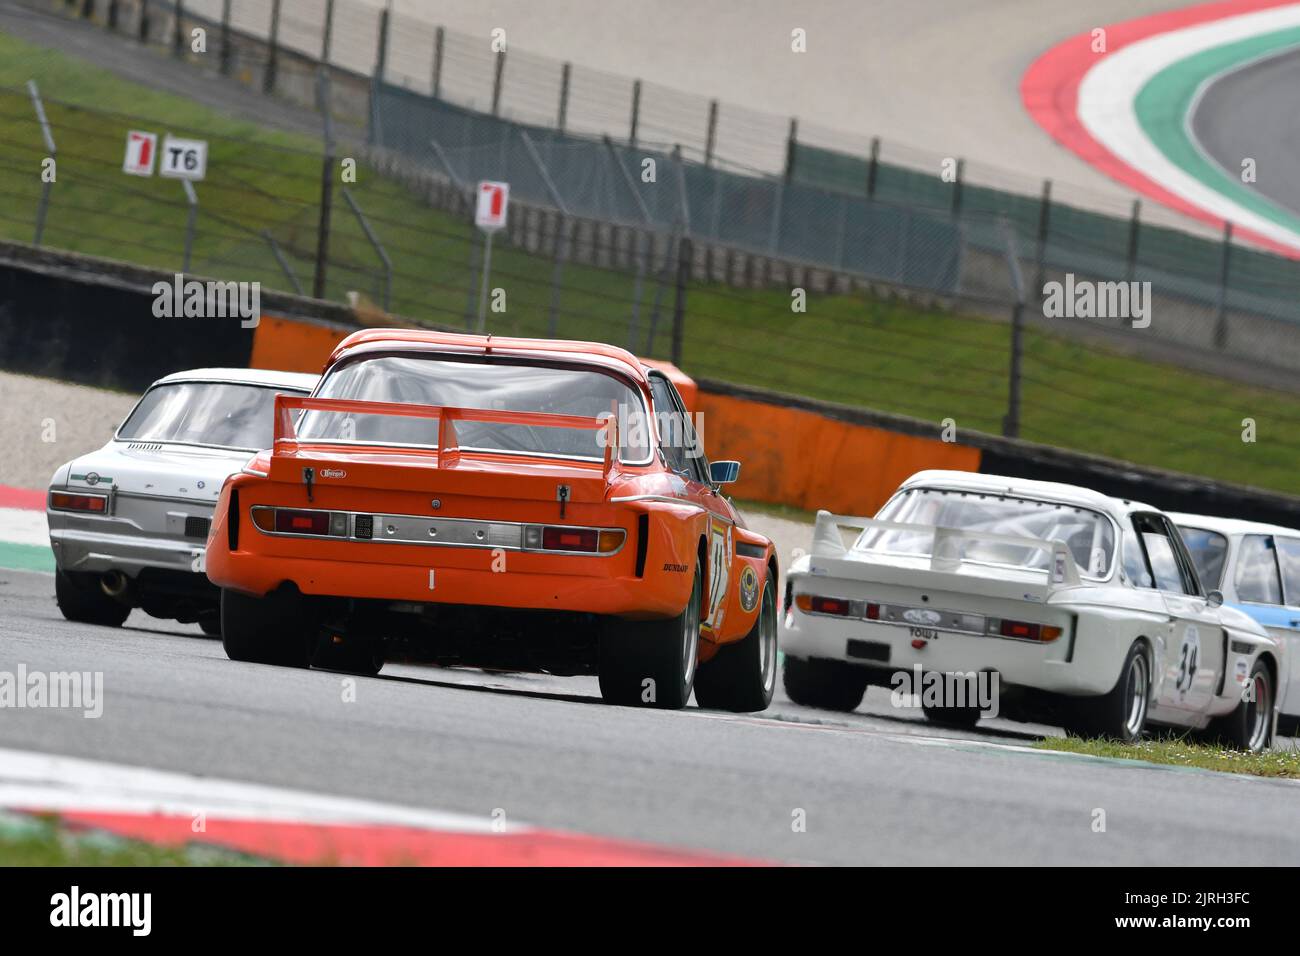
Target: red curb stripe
point(26, 498)
point(1049, 91)
point(311, 844)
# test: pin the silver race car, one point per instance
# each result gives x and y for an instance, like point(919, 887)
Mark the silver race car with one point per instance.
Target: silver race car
point(129, 522)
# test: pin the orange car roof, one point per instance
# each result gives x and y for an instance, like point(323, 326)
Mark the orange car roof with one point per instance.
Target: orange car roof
point(486, 343)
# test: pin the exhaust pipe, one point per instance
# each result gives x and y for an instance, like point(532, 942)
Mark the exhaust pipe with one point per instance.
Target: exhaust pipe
point(114, 583)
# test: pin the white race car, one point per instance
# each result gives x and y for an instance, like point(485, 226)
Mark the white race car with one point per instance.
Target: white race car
point(129, 522)
point(1257, 567)
point(1070, 607)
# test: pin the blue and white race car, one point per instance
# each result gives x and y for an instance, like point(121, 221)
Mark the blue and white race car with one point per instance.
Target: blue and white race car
point(1257, 567)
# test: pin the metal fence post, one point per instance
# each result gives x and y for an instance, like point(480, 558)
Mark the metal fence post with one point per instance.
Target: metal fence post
point(636, 111)
point(685, 256)
point(326, 188)
point(225, 37)
point(193, 199)
point(957, 188)
point(1134, 228)
point(497, 78)
point(178, 32)
point(51, 153)
point(142, 28)
point(437, 62)
point(381, 54)
point(683, 203)
point(712, 135)
point(273, 49)
point(778, 208)
point(1044, 226)
point(791, 146)
point(377, 78)
point(374, 244)
point(873, 165)
point(565, 71)
point(327, 34)
point(1225, 264)
point(1011, 423)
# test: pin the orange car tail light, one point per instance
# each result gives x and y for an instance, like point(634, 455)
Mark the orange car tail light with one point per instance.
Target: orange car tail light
point(300, 521)
point(64, 501)
point(565, 539)
point(586, 540)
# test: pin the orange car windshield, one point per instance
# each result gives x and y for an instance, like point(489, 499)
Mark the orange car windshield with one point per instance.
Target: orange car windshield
point(480, 384)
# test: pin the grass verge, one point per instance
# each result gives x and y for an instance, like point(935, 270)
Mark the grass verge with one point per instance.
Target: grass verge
point(1182, 753)
point(46, 841)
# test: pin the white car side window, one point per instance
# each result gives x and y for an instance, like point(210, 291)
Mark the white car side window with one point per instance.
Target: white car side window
point(1164, 563)
point(1257, 580)
point(1135, 565)
point(1288, 553)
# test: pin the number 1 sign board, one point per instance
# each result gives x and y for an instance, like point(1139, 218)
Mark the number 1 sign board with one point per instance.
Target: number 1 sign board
point(183, 159)
point(490, 213)
point(140, 151)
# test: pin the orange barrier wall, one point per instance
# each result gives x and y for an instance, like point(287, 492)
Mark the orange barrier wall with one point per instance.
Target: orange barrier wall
point(293, 346)
point(794, 457)
point(789, 456)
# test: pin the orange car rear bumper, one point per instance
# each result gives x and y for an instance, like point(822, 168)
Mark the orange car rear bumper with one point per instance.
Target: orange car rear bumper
point(477, 576)
point(438, 580)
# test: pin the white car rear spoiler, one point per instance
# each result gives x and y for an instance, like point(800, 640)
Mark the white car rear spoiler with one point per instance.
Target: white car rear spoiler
point(828, 542)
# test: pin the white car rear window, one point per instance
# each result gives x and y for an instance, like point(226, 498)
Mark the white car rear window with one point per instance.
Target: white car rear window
point(1088, 534)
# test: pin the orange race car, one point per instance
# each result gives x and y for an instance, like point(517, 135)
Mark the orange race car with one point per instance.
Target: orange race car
point(506, 503)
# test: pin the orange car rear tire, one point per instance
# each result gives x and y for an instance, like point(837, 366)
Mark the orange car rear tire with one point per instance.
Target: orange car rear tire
point(742, 676)
point(652, 663)
point(276, 629)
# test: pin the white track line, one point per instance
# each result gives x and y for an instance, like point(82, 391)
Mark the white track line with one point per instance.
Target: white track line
point(23, 526)
point(37, 781)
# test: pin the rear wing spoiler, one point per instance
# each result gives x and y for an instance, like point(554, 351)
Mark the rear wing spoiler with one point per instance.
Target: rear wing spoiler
point(944, 553)
point(286, 431)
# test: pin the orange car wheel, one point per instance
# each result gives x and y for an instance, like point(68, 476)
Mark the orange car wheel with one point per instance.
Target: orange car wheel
point(742, 676)
point(652, 663)
point(276, 629)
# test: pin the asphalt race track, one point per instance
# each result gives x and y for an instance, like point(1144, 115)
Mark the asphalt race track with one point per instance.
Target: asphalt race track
point(875, 787)
point(1253, 112)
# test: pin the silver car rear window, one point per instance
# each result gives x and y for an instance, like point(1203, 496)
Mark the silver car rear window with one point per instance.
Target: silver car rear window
point(221, 414)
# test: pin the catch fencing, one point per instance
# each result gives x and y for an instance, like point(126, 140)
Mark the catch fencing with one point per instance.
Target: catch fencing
point(734, 274)
point(740, 183)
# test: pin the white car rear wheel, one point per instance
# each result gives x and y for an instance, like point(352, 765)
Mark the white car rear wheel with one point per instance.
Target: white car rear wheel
point(1121, 714)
